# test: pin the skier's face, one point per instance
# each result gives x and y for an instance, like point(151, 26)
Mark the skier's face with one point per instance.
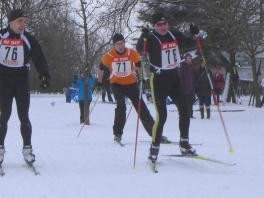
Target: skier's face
point(161, 27)
point(120, 46)
point(18, 25)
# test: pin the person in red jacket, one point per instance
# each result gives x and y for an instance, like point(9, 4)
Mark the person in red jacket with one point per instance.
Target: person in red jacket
point(218, 81)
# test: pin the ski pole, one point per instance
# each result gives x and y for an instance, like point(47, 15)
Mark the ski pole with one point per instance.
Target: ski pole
point(129, 112)
point(100, 93)
point(214, 95)
point(139, 100)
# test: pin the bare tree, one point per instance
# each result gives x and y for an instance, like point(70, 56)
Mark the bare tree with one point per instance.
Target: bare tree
point(227, 27)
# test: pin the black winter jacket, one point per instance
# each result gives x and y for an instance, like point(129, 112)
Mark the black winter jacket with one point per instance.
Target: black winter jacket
point(32, 50)
point(189, 77)
point(203, 84)
point(153, 45)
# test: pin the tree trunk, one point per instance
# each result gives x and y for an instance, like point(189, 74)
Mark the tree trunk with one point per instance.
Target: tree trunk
point(256, 76)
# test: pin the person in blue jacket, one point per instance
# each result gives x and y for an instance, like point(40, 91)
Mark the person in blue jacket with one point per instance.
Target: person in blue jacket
point(79, 84)
point(91, 81)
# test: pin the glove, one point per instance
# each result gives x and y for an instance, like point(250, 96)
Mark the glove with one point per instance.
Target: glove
point(45, 83)
point(193, 29)
point(145, 32)
point(99, 85)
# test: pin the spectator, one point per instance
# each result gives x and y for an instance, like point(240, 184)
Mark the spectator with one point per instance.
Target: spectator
point(106, 86)
point(262, 87)
point(189, 79)
point(204, 90)
point(218, 81)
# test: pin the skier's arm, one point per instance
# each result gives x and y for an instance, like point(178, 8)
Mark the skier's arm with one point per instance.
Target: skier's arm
point(138, 68)
point(140, 43)
point(184, 40)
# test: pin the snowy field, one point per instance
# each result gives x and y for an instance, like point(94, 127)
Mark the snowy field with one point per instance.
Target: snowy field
point(93, 166)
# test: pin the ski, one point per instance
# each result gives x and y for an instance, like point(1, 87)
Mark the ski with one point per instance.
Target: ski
point(2, 173)
point(174, 143)
point(108, 102)
point(199, 157)
point(32, 168)
point(222, 110)
point(226, 110)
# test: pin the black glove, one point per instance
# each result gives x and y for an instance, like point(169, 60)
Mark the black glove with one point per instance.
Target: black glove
point(45, 83)
point(193, 29)
point(99, 85)
point(145, 32)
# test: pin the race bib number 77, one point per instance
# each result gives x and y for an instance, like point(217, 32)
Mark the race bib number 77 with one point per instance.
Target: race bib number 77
point(12, 52)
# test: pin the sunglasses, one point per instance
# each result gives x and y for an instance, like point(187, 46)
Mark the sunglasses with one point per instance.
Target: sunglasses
point(161, 24)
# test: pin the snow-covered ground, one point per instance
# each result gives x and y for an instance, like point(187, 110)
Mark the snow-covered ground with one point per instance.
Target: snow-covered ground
point(93, 166)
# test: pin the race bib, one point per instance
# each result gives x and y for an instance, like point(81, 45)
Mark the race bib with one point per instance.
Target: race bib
point(170, 55)
point(12, 52)
point(121, 67)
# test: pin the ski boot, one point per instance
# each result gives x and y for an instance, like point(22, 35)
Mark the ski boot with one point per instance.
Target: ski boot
point(118, 138)
point(186, 148)
point(164, 140)
point(153, 153)
point(29, 157)
point(2, 153)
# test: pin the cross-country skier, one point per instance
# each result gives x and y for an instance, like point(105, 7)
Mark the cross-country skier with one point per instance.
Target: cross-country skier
point(122, 62)
point(17, 47)
point(164, 57)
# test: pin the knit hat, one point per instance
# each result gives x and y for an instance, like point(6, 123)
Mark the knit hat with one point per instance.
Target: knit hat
point(15, 14)
point(158, 16)
point(118, 37)
point(186, 55)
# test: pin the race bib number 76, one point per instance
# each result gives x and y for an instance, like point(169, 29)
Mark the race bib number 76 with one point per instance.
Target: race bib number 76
point(12, 52)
